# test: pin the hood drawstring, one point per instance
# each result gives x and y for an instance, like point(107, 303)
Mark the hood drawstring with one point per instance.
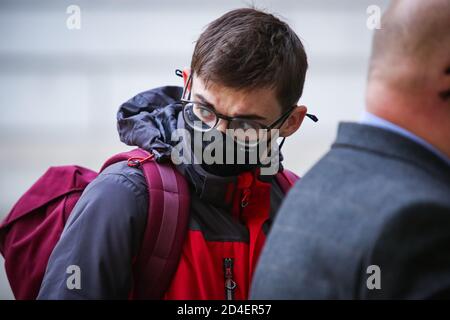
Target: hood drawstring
point(136, 162)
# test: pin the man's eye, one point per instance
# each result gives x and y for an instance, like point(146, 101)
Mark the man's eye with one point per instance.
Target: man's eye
point(205, 114)
point(246, 126)
point(243, 125)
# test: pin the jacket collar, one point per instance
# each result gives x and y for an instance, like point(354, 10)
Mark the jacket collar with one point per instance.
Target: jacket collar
point(373, 120)
point(391, 144)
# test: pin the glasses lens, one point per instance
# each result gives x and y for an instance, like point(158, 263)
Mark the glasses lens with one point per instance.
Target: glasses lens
point(246, 132)
point(199, 117)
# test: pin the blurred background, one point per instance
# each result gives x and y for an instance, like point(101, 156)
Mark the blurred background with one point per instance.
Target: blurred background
point(60, 88)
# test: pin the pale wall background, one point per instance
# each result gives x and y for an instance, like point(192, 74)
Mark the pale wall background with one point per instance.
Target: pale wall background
point(60, 89)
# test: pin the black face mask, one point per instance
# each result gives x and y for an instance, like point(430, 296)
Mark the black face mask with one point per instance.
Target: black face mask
point(231, 152)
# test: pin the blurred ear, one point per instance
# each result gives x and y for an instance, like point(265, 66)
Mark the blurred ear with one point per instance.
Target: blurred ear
point(186, 74)
point(293, 122)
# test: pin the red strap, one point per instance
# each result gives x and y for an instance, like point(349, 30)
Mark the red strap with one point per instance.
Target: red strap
point(167, 220)
point(164, 235)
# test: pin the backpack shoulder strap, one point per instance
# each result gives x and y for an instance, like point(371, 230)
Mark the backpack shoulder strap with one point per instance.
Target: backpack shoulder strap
point(286, 179)
point(167, 220)
point(168, 216)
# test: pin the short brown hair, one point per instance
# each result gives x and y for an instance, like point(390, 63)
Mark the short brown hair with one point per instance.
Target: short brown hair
point(247, 49)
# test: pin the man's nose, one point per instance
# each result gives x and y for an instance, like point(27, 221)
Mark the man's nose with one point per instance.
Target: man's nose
point(222, 125)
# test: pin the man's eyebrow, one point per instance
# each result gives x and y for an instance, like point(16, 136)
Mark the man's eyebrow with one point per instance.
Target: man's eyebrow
point(204, 101)
point(242, 116)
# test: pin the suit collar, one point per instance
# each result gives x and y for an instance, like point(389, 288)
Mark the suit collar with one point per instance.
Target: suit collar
point(373, 120)
point(390, 144)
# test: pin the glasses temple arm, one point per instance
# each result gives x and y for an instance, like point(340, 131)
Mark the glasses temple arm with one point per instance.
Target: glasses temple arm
point(312, 117)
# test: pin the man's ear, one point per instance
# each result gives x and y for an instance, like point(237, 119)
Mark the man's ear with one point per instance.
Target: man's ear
point(186, 74)
point(293, 122)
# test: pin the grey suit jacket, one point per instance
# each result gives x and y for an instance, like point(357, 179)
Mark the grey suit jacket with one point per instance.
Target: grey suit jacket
point(376, 200)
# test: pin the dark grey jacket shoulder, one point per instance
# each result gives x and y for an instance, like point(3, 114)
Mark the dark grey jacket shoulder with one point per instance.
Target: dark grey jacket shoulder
point(376, 199)
point(102, 235)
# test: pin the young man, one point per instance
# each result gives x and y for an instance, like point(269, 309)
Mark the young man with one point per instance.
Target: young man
point(372, 219)
point(247, 71)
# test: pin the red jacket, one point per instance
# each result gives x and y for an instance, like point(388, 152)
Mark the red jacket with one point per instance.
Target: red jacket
point(223, 245)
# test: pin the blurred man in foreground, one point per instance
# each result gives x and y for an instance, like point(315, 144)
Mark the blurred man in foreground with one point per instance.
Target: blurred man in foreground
point(372, 218)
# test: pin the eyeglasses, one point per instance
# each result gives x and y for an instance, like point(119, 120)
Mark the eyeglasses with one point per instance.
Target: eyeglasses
point(203, 118)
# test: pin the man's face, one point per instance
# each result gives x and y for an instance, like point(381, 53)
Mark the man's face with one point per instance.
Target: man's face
point(259, 105)
point(259, 108)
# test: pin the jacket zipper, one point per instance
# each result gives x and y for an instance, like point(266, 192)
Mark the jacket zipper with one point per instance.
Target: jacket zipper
point(230, 284)
point(245, 198)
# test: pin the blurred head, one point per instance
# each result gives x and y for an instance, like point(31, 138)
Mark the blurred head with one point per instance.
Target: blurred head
point(409, 74)
point(249, 64)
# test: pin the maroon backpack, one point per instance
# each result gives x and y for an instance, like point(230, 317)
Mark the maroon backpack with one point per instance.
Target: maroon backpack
point(33, 227)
